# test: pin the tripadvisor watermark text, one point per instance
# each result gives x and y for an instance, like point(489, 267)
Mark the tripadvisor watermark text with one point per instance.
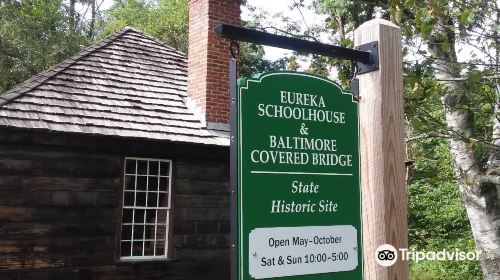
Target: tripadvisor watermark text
point(387, 255)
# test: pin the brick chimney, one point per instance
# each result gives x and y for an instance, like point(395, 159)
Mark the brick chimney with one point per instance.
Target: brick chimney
point(208, 60)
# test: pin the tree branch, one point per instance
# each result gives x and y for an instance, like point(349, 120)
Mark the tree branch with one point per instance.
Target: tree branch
point(265, 28)
point(427, 135)
point(492, 179)
point(493, 77)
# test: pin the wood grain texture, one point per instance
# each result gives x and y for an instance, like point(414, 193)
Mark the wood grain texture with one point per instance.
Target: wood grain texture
point(384, 197)
point(60, 205)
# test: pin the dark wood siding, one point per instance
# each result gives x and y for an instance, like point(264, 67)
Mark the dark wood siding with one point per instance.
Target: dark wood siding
point(60, 209)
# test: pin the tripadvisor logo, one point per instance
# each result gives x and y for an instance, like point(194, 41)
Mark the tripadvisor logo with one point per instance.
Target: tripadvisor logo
point(387, 255)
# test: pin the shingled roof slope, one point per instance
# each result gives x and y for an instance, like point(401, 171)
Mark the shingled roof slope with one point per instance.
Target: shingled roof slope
point(128, 85)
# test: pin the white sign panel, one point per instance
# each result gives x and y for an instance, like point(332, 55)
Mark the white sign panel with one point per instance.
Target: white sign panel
point(289, 251)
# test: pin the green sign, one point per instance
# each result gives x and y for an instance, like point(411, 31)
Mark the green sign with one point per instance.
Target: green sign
point(299, 197)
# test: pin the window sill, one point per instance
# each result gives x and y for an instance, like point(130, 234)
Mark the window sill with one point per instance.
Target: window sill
point(146, 260)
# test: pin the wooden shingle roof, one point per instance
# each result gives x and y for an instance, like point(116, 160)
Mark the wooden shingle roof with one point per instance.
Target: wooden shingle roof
point(128, 85)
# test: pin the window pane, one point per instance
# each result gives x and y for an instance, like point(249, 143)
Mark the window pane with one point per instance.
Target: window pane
point(127, 216)
point(130, 166)
point(129, 182)
point(125, 249)
point(148, 248)
point(142, 167)
point(163, 184)
point(161, 217)
point(152, 199)
point(142, 182)
point(138, 232)
point(161, 232)
point(153, 168)
point(128, 199)
point(160, 248)
point(140, 199)
point(163, 201)
point(150, 216)
point(150, 232)
point(139, 216)
point(137, 250)
point(164, 169)
point(126, 232)
point(153, 183)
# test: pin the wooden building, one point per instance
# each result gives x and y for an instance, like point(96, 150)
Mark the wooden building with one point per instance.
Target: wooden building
point(114, 164)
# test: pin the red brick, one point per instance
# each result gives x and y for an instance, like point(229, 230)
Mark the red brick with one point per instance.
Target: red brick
point(208, 56)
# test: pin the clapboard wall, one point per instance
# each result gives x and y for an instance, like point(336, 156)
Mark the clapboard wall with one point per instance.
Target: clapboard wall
point(60, 208)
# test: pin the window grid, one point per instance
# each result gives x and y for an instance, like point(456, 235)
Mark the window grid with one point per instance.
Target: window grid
point(154, 170)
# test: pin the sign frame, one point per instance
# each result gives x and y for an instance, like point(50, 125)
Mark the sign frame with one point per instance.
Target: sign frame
point(233, 170)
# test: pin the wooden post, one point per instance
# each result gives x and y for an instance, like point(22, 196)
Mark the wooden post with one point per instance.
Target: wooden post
point(384, 199)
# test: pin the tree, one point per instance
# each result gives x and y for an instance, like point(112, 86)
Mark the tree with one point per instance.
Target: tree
point(252, 61)
point(34, 36)
point(468, 99)
point(166, 20)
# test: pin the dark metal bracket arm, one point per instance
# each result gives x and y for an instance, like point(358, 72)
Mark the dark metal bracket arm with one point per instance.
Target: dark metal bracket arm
point(366, 56)
point(372, 48)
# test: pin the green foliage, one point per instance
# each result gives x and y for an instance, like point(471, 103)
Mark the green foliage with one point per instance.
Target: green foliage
point(437, 219)
point(252, 61)
point(344, 14)
point(33, 36)
point(319, 66)
point(293, 64)
point(343, 18)
point(165, 20)
point(452, 270)
point(434, 198)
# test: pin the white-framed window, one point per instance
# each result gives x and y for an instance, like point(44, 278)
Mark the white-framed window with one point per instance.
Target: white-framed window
point(145, 209)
